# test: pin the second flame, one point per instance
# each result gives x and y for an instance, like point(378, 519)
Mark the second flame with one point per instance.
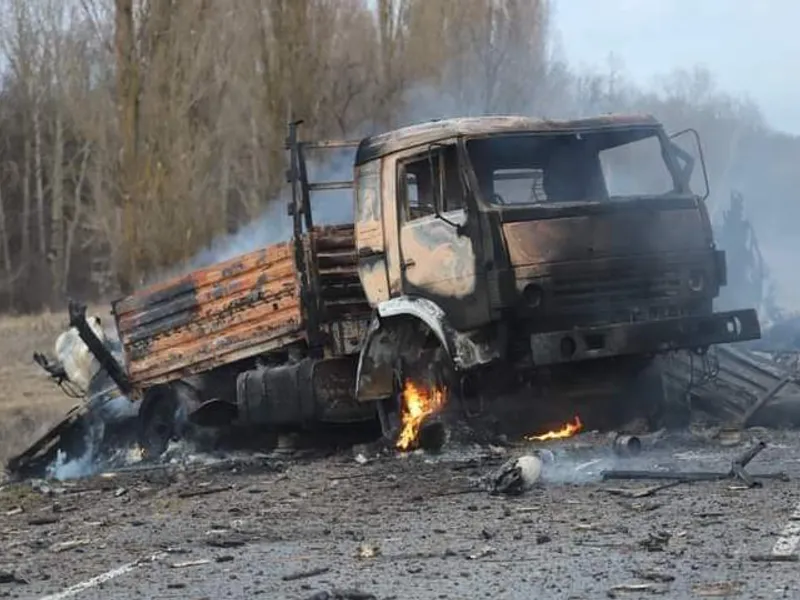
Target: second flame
point(566, 431)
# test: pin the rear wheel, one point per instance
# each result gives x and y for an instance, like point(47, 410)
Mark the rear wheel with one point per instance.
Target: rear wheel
point(157, 421)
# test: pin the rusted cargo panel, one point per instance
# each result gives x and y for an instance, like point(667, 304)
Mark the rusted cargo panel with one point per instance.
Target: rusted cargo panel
point(213, 316)
point(343, 303)
point(336, 265)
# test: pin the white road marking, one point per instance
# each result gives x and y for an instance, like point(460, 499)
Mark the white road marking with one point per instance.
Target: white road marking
point(790, 536)
point(95, 581)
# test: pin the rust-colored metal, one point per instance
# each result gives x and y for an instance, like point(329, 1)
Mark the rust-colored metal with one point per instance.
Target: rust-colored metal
point(241, 308)
point(213, 316)
point(335, 267)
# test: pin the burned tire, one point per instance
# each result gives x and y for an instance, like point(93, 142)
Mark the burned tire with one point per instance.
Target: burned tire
point(157, 421)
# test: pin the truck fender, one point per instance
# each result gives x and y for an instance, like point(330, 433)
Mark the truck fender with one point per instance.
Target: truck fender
point(383, 343)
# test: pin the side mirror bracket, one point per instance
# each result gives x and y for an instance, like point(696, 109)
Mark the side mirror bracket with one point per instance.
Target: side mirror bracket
point(688, 159)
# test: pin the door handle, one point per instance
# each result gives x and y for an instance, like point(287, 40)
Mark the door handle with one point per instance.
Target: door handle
point(409, 263)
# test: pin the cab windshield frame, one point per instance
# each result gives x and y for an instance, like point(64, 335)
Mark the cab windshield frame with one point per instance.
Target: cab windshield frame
point(483, 161)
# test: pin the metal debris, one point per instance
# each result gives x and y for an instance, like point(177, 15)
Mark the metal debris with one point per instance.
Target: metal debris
point(342, 595)
point(368, 550)
point(656, 541)
point(305, 574)
point(774, 557)
point(516, 476)
point(482, 553)
point(626, 445)
point(190, 563)
point(70, 545)
point(12, 577)
point(737, 471)
point(637, 587)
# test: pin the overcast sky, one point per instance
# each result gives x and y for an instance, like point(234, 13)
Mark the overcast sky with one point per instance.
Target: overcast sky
point(751, 46)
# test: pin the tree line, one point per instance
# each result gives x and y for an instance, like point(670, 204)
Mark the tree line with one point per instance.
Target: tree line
point(136, 132)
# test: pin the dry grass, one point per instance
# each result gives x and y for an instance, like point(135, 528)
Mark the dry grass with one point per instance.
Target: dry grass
point(29, 400)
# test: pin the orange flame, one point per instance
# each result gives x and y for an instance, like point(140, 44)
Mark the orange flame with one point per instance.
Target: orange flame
point(417, 404)
point(566, 431)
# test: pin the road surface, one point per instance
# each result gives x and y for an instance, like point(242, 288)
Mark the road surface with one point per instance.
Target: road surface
point(410, 527)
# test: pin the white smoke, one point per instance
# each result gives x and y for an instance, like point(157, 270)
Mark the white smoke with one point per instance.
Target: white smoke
point(329, 207)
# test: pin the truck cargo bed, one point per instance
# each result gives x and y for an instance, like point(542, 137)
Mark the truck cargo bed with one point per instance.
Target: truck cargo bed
point(213, 316)
point(243, 307)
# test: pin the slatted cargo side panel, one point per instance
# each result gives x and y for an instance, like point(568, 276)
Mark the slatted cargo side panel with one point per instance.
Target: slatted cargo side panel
point(210, 317)
point(346, 312)
point(337, 270)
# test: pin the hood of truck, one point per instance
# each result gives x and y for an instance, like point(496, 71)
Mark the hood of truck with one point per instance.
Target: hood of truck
point(569, 233)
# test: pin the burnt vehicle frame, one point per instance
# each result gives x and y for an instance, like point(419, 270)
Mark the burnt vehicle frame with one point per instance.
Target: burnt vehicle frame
point(326, 326)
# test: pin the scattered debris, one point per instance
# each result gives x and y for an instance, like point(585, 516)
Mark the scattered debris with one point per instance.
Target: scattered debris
point(306, 574)
point(204, 491)
point(774, 557)
point(176, 585)
point(721, 589)
point(626, 445)
point(226, 541)
point(43, 520)
point(17, 510)
point(190, 563)
point(643, 492)
point(516, 476)
point(656, 576)
point(361, 459)
point(368, 550)
point(70, 545)
point(342, 595)
point(12, 577)
point(759, 404)
point(482, 553)
point(656, 541)
point(737, 471)
point(651, 588)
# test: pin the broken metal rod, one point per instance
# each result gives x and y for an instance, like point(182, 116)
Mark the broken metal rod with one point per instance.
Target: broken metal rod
point(748, 455)
point(759, 404)
point(77, 319)
point(737, 471)
point(686, 475)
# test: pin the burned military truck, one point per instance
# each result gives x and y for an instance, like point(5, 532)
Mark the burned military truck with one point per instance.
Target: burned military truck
point(487, 254)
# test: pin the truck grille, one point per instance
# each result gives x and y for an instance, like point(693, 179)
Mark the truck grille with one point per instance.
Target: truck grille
point(617, 289)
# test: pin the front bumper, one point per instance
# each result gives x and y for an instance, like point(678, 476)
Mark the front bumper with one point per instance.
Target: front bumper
point(648, 337)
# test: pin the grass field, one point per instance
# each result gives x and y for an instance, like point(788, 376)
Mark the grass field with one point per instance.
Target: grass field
point(29, 400)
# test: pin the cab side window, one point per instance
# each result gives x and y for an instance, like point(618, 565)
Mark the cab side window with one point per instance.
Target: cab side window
point(428, 181)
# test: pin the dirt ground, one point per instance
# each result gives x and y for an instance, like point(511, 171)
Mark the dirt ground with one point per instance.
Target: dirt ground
point(418, 526)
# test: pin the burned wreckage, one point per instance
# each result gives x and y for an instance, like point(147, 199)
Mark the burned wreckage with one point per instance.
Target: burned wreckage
point(488, 256)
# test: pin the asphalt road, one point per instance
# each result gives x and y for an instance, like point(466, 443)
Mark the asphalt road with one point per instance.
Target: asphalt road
point(411, 527)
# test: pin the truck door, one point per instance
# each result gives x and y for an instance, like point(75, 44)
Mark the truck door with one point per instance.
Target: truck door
point(370, 244)
point(439, 236)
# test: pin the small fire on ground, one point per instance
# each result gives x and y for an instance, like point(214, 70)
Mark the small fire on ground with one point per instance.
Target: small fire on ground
point(418, 403)
point(568, 430)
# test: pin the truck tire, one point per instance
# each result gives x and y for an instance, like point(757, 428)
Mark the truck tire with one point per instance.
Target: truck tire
point(157, 421)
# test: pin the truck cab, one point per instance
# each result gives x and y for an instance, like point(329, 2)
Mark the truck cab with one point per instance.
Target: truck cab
point(537, 243)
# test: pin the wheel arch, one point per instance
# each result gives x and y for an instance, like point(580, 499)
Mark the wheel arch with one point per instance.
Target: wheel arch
point(384, 344)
